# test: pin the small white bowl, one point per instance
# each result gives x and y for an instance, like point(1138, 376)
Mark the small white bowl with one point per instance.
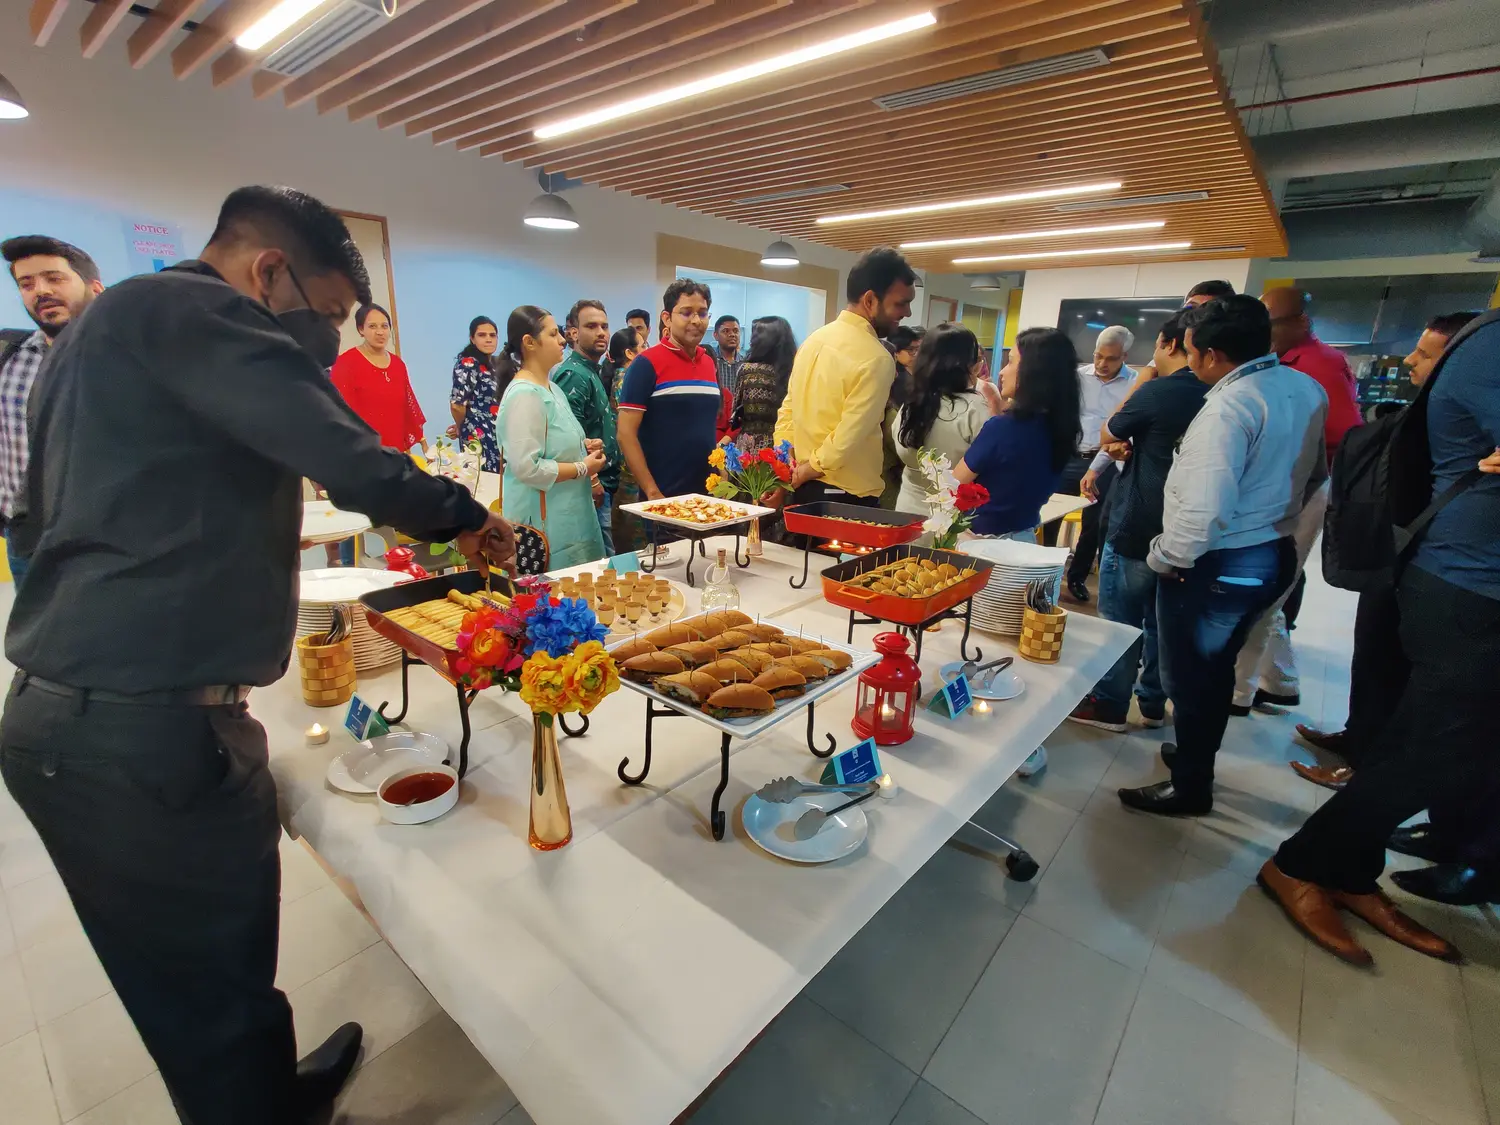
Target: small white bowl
point(423, 811)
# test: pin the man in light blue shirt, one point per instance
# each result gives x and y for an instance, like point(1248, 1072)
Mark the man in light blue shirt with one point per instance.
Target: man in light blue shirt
point(1247, 466)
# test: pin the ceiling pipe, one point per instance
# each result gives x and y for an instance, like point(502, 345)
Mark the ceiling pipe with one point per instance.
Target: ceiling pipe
point(1396, 85)
point(1372, 146)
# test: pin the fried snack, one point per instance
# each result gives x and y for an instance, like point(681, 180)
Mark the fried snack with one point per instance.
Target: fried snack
point(694, 509)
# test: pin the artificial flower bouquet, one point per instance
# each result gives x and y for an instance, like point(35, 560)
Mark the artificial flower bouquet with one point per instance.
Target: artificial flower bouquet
point(752, 473)
point(547, 649)
point(952, 504)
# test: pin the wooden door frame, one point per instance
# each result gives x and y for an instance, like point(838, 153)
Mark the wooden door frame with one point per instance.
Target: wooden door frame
point(390, 273)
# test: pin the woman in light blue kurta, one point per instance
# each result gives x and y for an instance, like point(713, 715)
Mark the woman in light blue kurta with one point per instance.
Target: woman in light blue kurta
point(543, 447)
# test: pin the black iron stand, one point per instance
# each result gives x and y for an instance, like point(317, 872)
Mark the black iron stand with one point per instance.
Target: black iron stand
point(466, 697)
point(716, 819)
point(962, 612)
point(695, 540)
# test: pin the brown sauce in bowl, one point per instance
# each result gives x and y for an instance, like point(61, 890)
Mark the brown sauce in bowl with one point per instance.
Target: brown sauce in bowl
point(417, 789)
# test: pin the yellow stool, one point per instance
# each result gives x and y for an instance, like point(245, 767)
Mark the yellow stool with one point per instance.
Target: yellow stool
point(1067, 534)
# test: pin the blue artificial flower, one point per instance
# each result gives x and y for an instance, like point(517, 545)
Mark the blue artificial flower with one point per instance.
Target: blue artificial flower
point(558, 629)
point(732, 462)
point(785, 449)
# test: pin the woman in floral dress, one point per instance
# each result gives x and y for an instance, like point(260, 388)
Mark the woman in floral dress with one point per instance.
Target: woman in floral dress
point(762, 384)
point(474, 401)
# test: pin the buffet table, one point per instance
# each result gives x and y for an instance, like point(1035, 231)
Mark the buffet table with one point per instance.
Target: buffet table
point(612, 981)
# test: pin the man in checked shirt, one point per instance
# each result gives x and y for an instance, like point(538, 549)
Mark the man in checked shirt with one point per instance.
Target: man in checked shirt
point(57, 282)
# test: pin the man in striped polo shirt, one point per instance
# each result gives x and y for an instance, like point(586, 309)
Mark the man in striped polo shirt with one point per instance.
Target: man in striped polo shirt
point(670, 399)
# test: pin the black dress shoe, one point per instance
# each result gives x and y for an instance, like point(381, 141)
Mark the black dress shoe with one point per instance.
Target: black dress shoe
point(1274, 700)
point(1420, 842)
point(1077, 590)
point(1168, 753)
point(1164, 799)
point(1238, 711)
point(1453, 883)
point(322, 1074)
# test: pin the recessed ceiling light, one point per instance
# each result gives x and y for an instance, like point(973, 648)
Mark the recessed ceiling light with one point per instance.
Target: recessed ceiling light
point(1107, 228)
point(1134, 201)
point(274, 22)
point(737, 75)
point(1146, 247)
point(968, 204)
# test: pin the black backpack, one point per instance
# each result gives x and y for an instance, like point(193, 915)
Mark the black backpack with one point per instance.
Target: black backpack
point(11, 340)
point(1381, 498)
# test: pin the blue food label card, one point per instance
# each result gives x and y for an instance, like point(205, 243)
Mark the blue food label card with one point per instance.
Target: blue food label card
point(859, 763)
point(624, 562)
point(363, 721)
point(954, 699)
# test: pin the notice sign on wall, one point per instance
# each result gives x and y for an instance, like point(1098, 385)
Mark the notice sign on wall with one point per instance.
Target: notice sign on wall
point(151, 246)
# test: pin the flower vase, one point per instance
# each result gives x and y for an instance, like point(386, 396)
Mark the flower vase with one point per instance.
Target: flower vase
point(551, 822)
point(753, 548)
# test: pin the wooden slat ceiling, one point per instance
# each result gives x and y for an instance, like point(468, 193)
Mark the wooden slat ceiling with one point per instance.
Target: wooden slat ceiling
point(483, 74)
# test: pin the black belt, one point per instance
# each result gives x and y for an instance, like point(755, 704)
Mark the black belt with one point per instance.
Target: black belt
point(215, 695)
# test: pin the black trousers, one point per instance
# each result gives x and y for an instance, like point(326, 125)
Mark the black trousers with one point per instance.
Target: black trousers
point(1090, 539)
point(162, 823)
point(1378, 674)
point(1437, 752)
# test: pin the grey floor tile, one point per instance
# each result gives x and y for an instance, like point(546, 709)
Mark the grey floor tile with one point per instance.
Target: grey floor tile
point(320, 930)
point(1108, 888)
point(927, 1105)
point(810, 1061)
point(1482, 994)
point(517, 1116)
point(24, 1086)
point(1400, 1030)
point(1223, 943)
point(1325, 1098)
point(93, 1053)
point(1035, 1041)
point(1034, 823)
point(17, 1014)
point(1077, 758)
point(376, 989)
point(145, 1103)
point(1184, 1064)
point(903, 978)
point(432, 1077)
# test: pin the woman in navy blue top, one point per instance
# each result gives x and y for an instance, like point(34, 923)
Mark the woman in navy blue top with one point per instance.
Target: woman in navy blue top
point(1019, 455)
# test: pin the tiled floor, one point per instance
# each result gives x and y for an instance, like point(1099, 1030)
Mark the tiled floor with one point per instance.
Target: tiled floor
point(1141, 979)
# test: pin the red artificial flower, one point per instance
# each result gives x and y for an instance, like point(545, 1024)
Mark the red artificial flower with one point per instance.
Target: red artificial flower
point(970, 496)
point(768, 455)
point(524, 603)
point(782, 470)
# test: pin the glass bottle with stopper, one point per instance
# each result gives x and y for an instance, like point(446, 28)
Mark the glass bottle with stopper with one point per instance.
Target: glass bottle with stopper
point(719, 592)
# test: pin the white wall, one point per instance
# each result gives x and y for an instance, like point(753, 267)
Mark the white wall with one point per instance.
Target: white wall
point(105, 142)
point(1044, 290)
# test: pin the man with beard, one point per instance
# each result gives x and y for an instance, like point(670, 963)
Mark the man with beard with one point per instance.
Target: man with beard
point(841, 380)
point(57, 282)
point(578, 377)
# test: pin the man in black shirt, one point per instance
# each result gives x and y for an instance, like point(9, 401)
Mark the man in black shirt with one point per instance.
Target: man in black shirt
point(1152, 420)
point(169, 437)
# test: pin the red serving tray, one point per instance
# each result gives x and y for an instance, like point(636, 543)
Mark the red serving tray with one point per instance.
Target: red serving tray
point(378, 603)
point(891, 607)
point(853, 524)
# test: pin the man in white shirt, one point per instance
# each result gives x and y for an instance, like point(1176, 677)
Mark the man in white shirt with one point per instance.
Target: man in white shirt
point(1248, 464)
point(1102, 387)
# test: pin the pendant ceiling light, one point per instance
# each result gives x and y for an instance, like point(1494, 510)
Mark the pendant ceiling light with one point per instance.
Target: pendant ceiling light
point(550, 211)
point(12, 108)
point(987, 283)
point(779, 254)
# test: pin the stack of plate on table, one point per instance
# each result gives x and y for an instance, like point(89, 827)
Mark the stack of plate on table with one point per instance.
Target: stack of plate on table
point(324, 589)
point(998, 607)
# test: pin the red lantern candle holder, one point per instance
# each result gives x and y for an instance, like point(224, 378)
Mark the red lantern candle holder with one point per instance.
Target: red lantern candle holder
point(886, 706)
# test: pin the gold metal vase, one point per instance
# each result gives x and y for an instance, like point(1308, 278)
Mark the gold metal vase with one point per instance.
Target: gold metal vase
point(753, 546)
point(551, 822)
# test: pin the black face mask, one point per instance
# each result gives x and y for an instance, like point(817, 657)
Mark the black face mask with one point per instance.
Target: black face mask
point(316, 334)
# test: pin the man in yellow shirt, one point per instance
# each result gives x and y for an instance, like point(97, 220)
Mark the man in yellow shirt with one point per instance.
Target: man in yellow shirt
point(842, 376)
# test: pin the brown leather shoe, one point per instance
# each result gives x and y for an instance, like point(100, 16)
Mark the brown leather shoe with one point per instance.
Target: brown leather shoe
point(1383, 914)
point(1311, 909)
point(1335, 777)
point(1333, 741)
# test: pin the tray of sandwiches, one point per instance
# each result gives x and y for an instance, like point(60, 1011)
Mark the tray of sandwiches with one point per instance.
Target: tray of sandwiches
point(423, 616)
point(733, 673)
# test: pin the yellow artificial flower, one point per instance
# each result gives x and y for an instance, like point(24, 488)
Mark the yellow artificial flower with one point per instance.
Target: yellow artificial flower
point(544, 684)
point(592, 675)
point(713, 482)
point(717, 457)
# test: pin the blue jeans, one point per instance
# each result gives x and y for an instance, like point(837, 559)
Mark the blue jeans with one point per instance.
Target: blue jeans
point(1127, 594)
point(606, 522)
point(18, 565)
point(1203, 616)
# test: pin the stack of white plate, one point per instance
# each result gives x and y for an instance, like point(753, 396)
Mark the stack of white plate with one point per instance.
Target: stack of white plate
point(324, 589)
point(998, 607)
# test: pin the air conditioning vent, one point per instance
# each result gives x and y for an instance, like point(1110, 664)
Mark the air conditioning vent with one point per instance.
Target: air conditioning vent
point(995, 79)
point(794, 193)
point(345, 23)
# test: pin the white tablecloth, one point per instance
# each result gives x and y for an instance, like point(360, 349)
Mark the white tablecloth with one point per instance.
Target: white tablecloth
point(611, 981)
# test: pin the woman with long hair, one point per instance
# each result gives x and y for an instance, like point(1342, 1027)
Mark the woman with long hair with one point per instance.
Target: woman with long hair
point(1019, 455)
point(476, 397)
point(624, 345)
point(551, 468)
point(763, 381)
point(945, 411)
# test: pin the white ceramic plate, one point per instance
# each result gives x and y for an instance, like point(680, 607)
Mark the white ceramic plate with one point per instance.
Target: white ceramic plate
point(1006, 684)
point(362, 769)
point(323, 523)
point(745, 512)
point(329, 585)
point(771, 826)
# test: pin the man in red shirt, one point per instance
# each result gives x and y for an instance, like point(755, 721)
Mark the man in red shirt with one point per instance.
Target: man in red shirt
point(1292, 338)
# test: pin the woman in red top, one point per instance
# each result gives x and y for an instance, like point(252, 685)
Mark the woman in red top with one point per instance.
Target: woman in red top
point(375, 384)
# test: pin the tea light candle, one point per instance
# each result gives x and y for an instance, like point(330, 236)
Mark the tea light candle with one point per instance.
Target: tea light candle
point(317, 734)
point(981, 706)
point(888, 787)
